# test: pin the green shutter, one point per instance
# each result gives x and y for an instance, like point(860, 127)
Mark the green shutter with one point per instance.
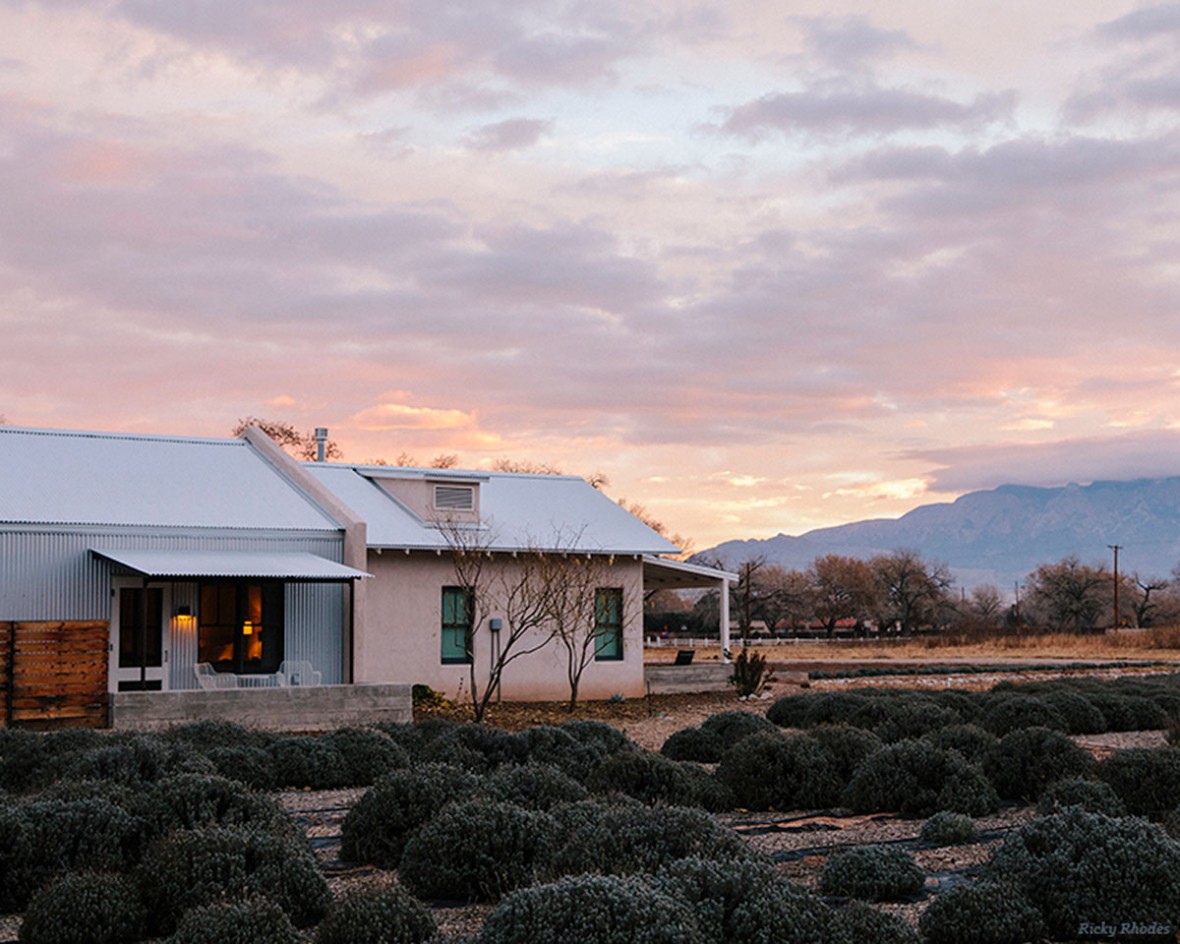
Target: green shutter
point(608, 624)
point(456, 626)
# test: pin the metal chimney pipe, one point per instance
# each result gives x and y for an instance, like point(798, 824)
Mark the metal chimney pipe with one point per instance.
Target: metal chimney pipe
point(321, 443)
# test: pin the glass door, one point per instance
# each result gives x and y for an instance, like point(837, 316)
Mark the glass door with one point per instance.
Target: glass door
point(138, 638)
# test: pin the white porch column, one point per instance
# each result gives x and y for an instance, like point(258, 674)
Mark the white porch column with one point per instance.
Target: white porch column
point(723, 609)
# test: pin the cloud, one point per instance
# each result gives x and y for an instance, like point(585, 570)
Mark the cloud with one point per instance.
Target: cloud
point(403, 416)
point(1142, 74)
point(1025, 168)
point(864, 108)
point(512, 134)
point(848, 43)
point(365, 48)
point(1143, 454)
point(231, 202)
point(1145, 23)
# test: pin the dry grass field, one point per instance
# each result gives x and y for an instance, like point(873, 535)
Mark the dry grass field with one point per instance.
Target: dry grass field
point(1161, 644)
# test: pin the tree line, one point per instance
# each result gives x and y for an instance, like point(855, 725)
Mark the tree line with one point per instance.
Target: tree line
point(902, 593)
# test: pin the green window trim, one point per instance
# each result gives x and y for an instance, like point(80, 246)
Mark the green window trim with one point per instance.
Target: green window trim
point(456, 629)
point(608, 624)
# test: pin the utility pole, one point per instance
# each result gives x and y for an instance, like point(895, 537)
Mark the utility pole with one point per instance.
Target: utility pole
point(1116, 548)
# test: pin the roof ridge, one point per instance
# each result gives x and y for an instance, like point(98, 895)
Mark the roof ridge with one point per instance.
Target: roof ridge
point(139, 437)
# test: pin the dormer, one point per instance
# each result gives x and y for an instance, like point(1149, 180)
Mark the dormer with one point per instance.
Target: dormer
point(434, 495)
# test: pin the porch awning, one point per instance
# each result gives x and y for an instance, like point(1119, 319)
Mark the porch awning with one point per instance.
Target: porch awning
point(659, 573)
point(259, 565)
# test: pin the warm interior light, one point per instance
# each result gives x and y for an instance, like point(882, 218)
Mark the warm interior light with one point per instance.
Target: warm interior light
point(248, 628)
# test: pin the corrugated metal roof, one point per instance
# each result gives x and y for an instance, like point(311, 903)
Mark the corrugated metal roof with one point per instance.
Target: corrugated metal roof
point(661, 573)
point(261, 565)
point(60, 477)
point(519, 511)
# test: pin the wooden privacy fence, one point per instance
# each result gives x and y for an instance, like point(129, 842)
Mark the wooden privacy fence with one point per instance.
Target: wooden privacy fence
point(54, 675)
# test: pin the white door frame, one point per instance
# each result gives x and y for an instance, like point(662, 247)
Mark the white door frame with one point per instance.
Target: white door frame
point(153, 673)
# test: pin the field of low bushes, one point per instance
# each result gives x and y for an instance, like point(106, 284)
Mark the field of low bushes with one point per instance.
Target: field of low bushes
point(571, 833)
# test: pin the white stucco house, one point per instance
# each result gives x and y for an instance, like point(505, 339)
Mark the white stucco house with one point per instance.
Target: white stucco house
point(155, 564)
point(414, 622)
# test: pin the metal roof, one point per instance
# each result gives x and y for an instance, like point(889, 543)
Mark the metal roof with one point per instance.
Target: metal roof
point(519, 511)
point(87, 478)
point(662, 574)
point(283, 565)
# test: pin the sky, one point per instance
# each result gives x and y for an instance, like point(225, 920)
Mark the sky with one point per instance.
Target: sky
point(768, 266)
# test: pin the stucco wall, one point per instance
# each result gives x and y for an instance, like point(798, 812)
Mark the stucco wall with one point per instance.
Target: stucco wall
point(401, 640)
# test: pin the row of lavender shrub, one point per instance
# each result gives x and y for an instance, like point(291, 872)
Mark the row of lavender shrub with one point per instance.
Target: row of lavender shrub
point(516, 812)
point(887, 671)
point(1075, 706)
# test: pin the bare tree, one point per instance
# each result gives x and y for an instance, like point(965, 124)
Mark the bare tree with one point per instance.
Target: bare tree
point(517, 583)
point(685, 544)
point(986, 605)
point(843, 588)
point(526, 466)
point(786, 595)
point(746, 596)
point(1142, 604)
point(910, 589)
point(446, 460)
point(1068, 594)
point(300, 445)
point(576, 594)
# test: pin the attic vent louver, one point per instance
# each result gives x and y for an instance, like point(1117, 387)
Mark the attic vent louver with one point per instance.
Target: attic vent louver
point(454, 498)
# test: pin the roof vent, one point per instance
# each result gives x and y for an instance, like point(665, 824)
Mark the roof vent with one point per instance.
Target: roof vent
point(454, 498)
point(321, 443)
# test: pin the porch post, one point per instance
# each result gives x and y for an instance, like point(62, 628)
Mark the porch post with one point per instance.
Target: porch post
point(723, 617)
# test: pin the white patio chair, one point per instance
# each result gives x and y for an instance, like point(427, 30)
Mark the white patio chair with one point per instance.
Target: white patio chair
point(210, 679)
point(300, 673)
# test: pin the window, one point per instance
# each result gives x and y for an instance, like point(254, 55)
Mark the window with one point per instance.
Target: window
point(454, 498)
point(141, 623)
point(608, 624)
point(456, 625)
point(240, 627)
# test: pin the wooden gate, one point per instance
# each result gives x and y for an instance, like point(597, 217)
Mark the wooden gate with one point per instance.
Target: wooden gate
point(55, 674)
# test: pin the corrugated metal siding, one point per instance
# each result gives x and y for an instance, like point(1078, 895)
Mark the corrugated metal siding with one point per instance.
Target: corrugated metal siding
point(51, 575)
point(182, 638)
point(314, 630)
point(47, 575)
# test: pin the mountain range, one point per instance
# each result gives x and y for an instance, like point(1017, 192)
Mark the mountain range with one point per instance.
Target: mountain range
point(1001, 535)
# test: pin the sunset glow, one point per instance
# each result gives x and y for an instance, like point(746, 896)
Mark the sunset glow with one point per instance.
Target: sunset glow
point(768, 267)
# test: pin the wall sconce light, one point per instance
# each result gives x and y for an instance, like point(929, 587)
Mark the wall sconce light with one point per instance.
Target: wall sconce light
point(183, 617)
point(248, 628)
point(184, 611)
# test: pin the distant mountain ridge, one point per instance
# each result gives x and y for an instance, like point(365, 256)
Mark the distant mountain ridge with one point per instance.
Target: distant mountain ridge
point(1001, 535)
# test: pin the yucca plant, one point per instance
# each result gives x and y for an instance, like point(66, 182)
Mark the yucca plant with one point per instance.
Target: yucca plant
point(750, 673)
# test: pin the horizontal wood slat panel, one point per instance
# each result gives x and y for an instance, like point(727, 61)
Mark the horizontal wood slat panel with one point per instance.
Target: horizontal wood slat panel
point(82, 687)
point(57, 700)
point(41, 664)
point(44, 719)
point(64, 641)
point(57, 674)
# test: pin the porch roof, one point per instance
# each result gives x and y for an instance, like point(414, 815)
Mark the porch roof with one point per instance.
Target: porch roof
point(662, 574)
point(261, 565)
